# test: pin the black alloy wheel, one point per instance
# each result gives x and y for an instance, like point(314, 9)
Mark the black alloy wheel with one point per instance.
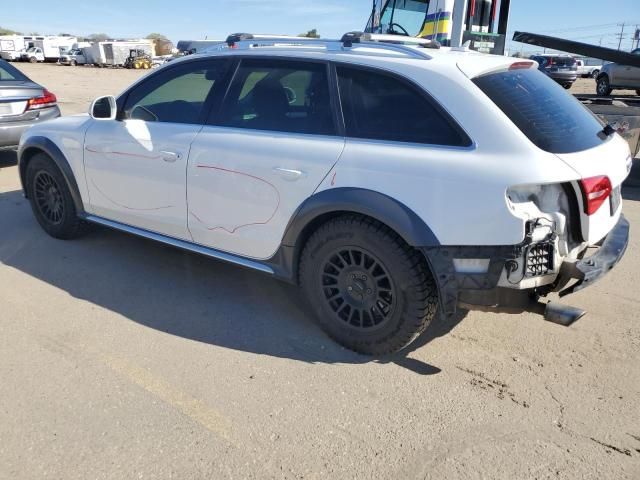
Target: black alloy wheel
point(358, 288)
point(48, 197)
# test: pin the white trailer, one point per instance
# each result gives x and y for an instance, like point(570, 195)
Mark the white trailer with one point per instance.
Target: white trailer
point(54, 46)
point(114, 53)
point(11, 46)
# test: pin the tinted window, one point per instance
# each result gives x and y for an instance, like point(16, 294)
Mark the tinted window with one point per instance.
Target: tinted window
point(382, 107)
point(552, 119)
point(176, 95)
point(280, 96)
point(9, 72)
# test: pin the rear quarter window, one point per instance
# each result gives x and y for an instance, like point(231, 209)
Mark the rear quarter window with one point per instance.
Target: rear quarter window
point(550, 117)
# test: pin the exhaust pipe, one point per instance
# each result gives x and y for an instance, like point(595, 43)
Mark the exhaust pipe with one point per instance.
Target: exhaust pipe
point(562, 314)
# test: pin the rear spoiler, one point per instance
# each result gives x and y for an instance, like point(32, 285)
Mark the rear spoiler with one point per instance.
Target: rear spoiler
point(563, 45)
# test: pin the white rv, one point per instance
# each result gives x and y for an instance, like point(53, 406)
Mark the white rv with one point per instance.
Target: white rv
point(46, 48)
point(11, 46)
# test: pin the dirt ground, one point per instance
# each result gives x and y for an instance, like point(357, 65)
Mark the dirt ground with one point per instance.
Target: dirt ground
point(125, 359)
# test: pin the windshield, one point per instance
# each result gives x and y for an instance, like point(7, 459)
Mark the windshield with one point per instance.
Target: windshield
point(404, 14)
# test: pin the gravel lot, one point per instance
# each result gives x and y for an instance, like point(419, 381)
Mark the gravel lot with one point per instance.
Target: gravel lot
point(125, 359)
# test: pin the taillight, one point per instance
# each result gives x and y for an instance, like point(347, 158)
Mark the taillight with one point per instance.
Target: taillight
point(47, 99)
point(520, 65)
point(595, 192)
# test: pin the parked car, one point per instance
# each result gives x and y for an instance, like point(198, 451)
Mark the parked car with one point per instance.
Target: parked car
point(72, 57)
point(387, 180)
point(561, 68)
point(588, 68)
point(33, 55)
point(23, 103)
point(615, 76)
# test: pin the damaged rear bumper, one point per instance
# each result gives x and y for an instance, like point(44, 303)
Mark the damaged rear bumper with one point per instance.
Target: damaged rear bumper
point(590, 269)
point(480, 291)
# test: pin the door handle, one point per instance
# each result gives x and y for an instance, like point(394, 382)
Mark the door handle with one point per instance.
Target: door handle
point(289, 174)
point(170, 157)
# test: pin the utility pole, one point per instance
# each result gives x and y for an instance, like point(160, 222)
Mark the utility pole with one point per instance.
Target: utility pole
point(620, 36)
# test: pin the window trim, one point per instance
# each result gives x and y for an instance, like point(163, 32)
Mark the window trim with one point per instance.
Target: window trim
point(213, 119)
point(210, 102)
point(419, 90)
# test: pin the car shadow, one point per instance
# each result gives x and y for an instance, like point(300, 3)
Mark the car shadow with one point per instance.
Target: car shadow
point(181, 293)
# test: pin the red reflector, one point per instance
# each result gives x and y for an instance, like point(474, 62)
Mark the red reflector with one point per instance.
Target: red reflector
point(520, 65)
point(595, 191)
point(47, 99)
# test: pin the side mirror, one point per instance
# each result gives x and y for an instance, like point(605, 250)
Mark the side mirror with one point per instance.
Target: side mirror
point(104, 108)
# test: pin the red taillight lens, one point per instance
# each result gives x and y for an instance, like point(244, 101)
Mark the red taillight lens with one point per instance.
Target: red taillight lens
point(47, 99)
point(520, 65)
point(595, 192)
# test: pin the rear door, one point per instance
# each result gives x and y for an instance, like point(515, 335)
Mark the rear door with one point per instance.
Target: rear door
point(273, 142)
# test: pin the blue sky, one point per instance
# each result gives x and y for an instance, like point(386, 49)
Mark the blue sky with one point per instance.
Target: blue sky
point(194, 19)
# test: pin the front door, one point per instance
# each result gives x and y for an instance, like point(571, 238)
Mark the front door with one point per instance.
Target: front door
point(270, 147)
point(136, 166)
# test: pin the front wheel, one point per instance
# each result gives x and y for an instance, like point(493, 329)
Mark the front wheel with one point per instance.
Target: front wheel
point(371, 292)
point(603, 87)
point(567, 86)
point(33, 59)
point(51, 199)
point(595, 74)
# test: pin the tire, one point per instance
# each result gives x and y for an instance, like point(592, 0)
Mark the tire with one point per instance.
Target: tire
point(638, 92)
point(595, 74)
point(73, 63)
point(33, 59)
point(602, 86)
point(51, 199)
point(567, 86)
point(371, 292)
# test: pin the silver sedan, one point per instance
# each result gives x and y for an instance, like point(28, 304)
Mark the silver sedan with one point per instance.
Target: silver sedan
point(22, 103)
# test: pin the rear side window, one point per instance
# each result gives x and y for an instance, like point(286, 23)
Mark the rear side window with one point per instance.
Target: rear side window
point(9, 72)
point(277, 95)
point(550, 117)
point(378, 106)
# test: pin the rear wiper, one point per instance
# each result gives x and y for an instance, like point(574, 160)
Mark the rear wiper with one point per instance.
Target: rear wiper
point(607, 131)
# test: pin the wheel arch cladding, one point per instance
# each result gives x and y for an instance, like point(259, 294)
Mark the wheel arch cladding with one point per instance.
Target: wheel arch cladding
point(397, 216)
point(328, 204)
point(36, 145)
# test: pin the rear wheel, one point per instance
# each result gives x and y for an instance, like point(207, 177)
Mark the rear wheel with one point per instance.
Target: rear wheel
point(603, 87)
point(372, 293)
point(595, 74)
point(567, 86)
point(51, 199)
point(638, 92)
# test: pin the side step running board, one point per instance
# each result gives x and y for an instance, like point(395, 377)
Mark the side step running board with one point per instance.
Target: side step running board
point(191, 247)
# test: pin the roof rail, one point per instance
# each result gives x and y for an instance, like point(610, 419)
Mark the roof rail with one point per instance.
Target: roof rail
point(349, 42)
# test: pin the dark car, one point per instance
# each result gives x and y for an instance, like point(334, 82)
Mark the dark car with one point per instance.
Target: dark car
point(22, 103)
point(561, 68)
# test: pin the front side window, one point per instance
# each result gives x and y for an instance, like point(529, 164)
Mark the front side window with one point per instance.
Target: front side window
point(177, 95)
point(378, 106)
point(284, 96)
